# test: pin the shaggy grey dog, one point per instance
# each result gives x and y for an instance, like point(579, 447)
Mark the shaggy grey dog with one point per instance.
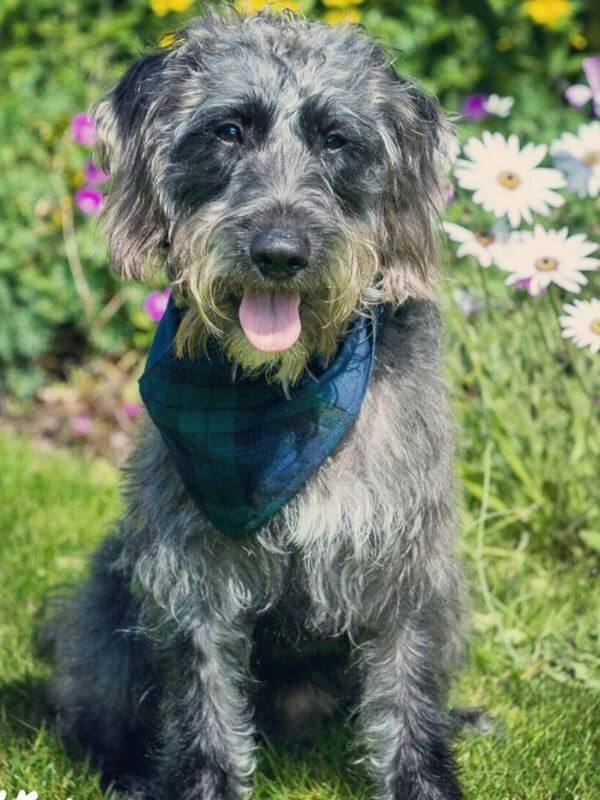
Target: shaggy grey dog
point(283, 155)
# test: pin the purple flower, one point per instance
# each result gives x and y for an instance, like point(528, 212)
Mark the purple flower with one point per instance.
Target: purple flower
point(93, 173)
point(579, 94)
point(155, 304)
point(448, 193)
point(82, 425)
point(83, 129)
point(591, 67)
point(469, 303)
point(474, 106)
point(525, 284)
point(130, 410)
point(88, 200)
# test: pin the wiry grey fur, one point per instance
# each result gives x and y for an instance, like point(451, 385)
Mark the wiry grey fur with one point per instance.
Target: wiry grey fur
point(156, 657)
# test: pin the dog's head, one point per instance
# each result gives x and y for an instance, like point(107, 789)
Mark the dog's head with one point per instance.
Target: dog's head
point(283, 172)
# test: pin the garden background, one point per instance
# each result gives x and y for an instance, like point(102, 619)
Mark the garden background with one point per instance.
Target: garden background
point(72, 343)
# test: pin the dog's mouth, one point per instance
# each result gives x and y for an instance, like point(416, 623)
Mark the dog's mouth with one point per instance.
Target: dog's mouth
point(270, 318)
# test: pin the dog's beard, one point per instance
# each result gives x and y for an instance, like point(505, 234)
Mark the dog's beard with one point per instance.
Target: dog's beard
point(212, 292)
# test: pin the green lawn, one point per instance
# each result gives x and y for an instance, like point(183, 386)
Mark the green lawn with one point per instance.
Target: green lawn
point(531, 659)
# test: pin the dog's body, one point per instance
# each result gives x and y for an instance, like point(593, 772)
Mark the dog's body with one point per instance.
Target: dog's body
point(155, 657)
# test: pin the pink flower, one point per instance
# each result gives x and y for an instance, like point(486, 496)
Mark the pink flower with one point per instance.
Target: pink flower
point(83, 129)
point(474, 106)
point(88, 200)
point(130, 410)
point(93, 173)
point(82, 425)
point(155, 304)
point(591, 67)
point(579, 94)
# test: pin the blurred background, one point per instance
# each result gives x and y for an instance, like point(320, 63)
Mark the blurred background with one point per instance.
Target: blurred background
point(526, 392)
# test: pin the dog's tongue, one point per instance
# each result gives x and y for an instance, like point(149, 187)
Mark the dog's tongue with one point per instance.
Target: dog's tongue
point(270, 320)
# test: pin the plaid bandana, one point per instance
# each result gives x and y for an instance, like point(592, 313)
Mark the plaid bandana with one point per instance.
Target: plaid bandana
point(242, 448)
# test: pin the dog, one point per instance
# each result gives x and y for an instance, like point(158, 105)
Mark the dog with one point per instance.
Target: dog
point(289, 181)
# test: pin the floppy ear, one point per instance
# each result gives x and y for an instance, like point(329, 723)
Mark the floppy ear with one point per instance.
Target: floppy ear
point(418, 141)
point(126, 121)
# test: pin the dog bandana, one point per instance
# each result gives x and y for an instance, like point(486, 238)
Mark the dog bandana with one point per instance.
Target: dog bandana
point(243, 448)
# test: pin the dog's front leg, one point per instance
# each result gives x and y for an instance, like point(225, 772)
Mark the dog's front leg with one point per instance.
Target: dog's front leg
point(207, 732)
point(401, 716)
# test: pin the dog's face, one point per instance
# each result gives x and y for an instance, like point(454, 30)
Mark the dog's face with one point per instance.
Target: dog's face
point(286, 176)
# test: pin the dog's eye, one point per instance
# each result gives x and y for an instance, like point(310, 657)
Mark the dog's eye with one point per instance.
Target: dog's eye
point(230, 133)
point(333, 141)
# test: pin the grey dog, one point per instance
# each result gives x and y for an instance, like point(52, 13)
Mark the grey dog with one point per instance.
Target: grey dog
point(304, 136)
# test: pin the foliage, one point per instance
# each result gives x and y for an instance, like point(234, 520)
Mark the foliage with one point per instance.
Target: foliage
point(53, 315)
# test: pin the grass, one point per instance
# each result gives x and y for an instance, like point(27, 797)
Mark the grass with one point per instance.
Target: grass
point(531, 661)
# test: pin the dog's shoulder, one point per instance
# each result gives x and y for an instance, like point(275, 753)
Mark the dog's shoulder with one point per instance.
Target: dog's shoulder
point(410, 337)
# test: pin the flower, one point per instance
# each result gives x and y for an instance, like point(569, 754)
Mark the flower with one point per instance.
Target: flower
point(578, 40)
point(543, 257)
point(579, 93)
point(468, 303)
point(155, 304)
point(94, 174)
point(591, 67)
point(474, 106)
point(547, 12)
point(252, 6)
point(342, 3)
point(581, 322)
point(338, 16)
point(506, 179)
point(578, 157)
point(82, 425)
point(525, 284)
point(480, 244)
point(89, 200)
point(130, 410)
point(499, 106)
point(83, 129)
point(162, 7)
point(448, 193)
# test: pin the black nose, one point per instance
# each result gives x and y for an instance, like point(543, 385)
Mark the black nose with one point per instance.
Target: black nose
point(280, 252)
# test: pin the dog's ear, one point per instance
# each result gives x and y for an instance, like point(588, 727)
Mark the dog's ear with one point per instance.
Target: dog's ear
point(419, 141)
point(125, 120)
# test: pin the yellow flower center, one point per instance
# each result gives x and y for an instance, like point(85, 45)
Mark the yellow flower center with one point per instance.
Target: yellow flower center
point(546, 264)
point(509, 180)
point(485, 238)
point(592, 158)
point(595, 326)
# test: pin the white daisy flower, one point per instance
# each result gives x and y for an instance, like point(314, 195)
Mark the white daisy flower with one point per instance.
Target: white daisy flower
point(480, 244)
point(582, 323)
point(499, 106)
point(578, 156)
point(506, 179)
point(538, 258)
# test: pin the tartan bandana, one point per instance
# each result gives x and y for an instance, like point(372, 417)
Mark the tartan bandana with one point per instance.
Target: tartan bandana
point(242, 448)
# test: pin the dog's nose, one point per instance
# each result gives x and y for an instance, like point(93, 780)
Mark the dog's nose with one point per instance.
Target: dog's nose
point(280, 252)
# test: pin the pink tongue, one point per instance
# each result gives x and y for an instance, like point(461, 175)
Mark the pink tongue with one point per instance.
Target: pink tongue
point(269, 319)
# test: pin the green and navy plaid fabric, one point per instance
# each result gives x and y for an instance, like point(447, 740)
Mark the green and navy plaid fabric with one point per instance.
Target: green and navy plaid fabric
point(242, 448)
